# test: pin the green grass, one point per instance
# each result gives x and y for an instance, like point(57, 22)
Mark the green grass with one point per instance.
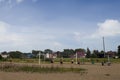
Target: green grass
point(39, 69)
point(105, 59)
point(68, 60)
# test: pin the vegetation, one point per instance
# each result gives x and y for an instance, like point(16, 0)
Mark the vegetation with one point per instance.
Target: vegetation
point(1, 58)
point(66, 53)
point(15, 54)
point(40, 69)
point(88, 53)
point(119, 51)
point(65, 60)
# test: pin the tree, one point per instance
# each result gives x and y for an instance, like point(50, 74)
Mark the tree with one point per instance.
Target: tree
point(119, 51)
point(48, 51)
point(15, 54)
point(101, 54)
point(80, 50)
point(88, 53)
point(35, 53)
point(1, 57)
point(67, 53)
point(94, 54)
point(4, 53)
point(59, 55)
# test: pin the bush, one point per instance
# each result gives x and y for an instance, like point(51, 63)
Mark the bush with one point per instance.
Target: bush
point(1, 58)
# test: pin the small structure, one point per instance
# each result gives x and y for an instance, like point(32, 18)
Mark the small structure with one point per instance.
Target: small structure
point(111, 54)
point(4, 55)
point(81, 55)
point(52, 55)
point(28, 55)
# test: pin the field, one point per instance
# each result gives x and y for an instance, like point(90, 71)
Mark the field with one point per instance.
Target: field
point(93, 72)
point(65, 60)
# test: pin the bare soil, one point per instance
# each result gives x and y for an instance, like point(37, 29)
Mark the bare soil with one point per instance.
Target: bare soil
point(94, 72)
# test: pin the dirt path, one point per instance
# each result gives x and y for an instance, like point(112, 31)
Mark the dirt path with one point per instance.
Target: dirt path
point(95, 72)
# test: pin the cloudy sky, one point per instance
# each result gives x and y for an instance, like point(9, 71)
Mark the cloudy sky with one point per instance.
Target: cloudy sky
point(57, 24)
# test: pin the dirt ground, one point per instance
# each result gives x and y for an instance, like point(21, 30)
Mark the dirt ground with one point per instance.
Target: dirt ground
point(94, 72)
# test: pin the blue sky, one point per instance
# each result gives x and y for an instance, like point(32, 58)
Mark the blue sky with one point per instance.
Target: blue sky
point(58, 24)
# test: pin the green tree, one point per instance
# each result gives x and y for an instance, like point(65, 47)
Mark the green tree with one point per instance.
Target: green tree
point(101, 54)
point(88, 53)
point(119, 51)
point(48, 51)
point(59, 54)
point(80, 50)
point(35, 53)
point(94, 54)
point(67, 53)
point(1, 58)
point(15, 54)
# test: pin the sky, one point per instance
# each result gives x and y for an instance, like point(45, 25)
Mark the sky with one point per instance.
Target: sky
point(27, 25)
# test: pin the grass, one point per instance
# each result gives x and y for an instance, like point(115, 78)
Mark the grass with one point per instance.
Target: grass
point(68, 60)
point(7, 67)
point(96, 60)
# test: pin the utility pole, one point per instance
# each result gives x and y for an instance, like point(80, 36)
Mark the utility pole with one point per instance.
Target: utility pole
point(104, 47)
point(76, 57)
point(104, 50)
point(39, 58)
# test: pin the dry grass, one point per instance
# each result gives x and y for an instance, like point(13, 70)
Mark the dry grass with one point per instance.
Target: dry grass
point(95, 72)
point(12, 67)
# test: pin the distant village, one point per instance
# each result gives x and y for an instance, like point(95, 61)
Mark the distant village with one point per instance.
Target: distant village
point(66, 53)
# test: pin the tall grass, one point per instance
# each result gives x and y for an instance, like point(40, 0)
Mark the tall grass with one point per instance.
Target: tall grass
point(7, 67)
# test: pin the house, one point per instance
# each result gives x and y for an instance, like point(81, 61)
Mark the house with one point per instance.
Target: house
point(52, 55)
point(111, 54)
point(81, 54)
point(4, 55)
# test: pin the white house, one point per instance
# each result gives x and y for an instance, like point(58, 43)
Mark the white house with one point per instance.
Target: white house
point(5, 55)
point(52, 55)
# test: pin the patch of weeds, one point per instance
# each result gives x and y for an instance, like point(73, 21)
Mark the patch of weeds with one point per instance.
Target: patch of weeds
point(39, 69)
point(107, 74)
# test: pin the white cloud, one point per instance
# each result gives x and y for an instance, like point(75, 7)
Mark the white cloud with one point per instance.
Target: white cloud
point(28, 38)
point(57, 44)
point(108, 28)
point(14, 39)
point(3, 27)
point(77, 36)
point(10, 3)
point(6, 35)
point(19, 1)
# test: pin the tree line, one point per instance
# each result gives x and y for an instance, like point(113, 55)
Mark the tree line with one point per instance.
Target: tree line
point(66, 53)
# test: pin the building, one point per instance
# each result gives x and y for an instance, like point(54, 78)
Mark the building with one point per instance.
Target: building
point(52, 55)
point(4, 55)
